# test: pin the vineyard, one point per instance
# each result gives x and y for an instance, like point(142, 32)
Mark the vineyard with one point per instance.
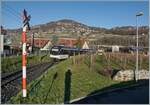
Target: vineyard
point(111, 61)
point(127, 61)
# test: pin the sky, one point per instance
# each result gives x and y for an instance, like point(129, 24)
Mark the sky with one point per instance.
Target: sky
point(106, 14)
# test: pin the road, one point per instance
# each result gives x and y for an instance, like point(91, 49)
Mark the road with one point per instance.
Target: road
point(132, 95)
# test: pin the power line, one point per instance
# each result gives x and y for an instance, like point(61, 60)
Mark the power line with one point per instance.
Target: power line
point(13, 10)
point(12, 18)
point(12, 14)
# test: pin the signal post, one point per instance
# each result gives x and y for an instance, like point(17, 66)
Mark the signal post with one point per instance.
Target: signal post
point(26, 27)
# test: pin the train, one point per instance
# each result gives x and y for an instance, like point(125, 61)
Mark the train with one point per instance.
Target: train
point(63, 52)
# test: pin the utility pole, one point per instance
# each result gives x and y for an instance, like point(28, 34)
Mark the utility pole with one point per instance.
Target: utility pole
point(26, 27)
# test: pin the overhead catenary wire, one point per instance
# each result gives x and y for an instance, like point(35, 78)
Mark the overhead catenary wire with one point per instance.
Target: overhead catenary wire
point(12, 13)
point(12, 17)
point(12, 9)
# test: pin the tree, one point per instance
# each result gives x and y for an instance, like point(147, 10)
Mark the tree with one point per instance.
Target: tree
point(79, 43)
point(54, 40)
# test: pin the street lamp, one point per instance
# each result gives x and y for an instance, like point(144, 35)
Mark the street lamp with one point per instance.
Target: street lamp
point(137, 15)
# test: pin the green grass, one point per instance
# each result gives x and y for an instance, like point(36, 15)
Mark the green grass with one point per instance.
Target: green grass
point(84, 80)
point(12, 64)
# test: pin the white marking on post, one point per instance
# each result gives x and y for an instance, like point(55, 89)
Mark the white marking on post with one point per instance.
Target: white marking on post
point(24, 92)
point(24, 48)
point(25, 28)
point(24, 71)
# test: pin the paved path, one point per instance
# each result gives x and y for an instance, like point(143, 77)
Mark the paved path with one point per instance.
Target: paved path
point(134, 95)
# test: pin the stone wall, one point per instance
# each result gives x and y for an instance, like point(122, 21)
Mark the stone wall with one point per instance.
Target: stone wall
point(126, 75)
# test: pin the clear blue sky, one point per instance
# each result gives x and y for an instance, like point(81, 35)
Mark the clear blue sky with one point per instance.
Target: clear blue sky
point(97, 13)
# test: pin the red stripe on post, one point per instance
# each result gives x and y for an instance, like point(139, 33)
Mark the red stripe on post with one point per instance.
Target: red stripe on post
point(24, 37)
point(24, 60)
point(23, 83)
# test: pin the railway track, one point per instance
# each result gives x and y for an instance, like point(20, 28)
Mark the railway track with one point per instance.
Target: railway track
point(12, 84)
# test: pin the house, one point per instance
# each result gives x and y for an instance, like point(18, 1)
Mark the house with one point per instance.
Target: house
point(115, 48)
point(11, 50)
point(3, 33)
point(1, 43)
point(85, 45)
point(70, 42)
point(47, 46)
point(6, 46)
point(40, 43)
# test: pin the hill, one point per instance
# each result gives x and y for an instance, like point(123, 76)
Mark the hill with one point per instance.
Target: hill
point(71, 28)
point(64, 26)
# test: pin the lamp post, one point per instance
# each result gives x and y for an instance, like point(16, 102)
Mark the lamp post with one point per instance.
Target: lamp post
point(137, 45)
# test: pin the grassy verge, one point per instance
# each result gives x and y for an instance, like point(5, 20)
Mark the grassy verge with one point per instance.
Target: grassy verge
point(12, 64)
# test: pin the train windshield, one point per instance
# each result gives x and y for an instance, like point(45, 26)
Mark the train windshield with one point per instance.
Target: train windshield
point(54, 51)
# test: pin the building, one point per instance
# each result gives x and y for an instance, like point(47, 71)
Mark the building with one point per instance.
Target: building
point(3, 33)
point(115, 48)
point(85, 45)
point(45, 44)
point(37, 44)
point(6, 45)
point(70, 42)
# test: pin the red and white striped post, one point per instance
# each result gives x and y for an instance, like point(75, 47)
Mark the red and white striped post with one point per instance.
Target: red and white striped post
point(24, 62)
point(24, 52)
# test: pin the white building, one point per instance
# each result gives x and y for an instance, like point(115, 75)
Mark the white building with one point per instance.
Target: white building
point(115, 48)
point(85, 45)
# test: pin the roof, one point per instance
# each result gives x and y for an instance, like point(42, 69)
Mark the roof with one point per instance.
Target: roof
point(38, 42)
point(69, 42)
